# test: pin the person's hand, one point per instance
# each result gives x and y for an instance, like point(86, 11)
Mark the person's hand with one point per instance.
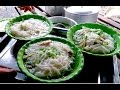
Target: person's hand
point(26, 8)
point(7, 74)
point(5, 70)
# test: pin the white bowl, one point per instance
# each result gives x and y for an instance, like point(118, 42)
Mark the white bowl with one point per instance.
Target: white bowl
point(82, 14)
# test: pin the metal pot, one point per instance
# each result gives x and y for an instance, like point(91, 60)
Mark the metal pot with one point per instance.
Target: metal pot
point(54, 10)
point(82, 14)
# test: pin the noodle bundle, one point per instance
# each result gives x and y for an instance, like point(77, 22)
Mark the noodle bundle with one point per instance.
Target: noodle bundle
point(94, 40)
point(30, 28)
point(48, 58)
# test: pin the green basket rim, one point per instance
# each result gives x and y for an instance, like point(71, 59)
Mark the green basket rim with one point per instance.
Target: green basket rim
point(114, 52)
point(71, 75)
point(29, 16)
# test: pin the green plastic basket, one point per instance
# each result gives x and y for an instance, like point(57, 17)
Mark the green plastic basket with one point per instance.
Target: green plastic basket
point(77, 65)
point(111, 31)
point(25, 17)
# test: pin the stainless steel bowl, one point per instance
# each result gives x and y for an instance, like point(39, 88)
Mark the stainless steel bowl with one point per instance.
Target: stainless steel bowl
point(61, 19)
point(83, 14)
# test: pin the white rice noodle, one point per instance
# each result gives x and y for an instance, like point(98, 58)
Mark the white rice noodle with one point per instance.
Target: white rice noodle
point(30, 28)
point(44, 65)
point(94, 40)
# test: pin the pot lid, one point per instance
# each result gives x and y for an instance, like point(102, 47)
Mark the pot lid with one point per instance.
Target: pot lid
point(83, 9)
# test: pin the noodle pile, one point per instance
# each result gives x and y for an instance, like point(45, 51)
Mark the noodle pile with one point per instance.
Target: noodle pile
point(94, 40)
point(30, 28)
point(48, 58)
